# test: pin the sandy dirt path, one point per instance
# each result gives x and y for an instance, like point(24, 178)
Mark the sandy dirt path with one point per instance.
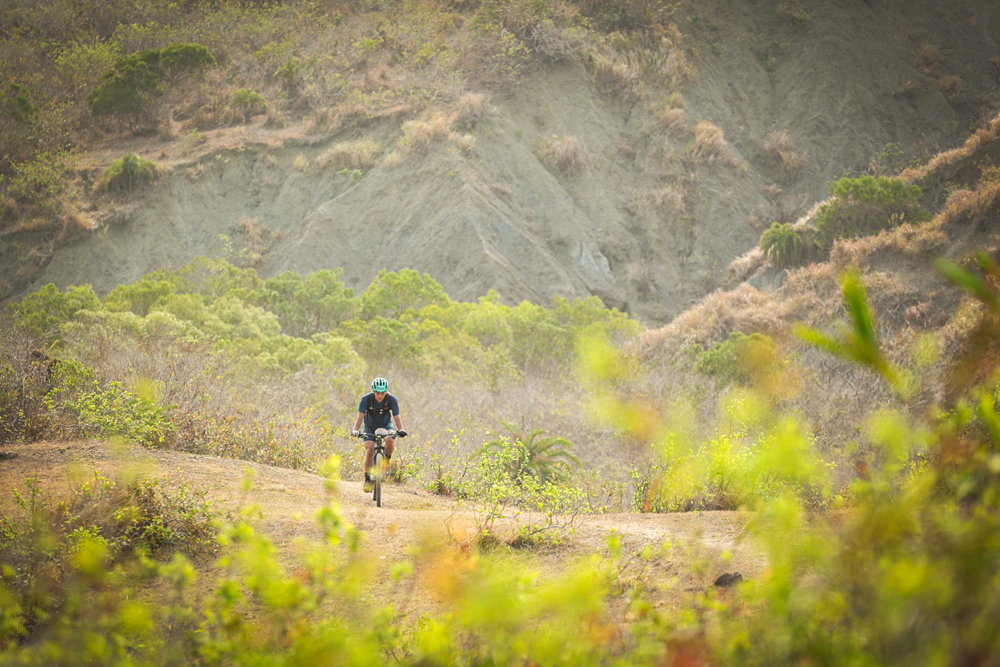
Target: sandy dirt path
point(704, 544)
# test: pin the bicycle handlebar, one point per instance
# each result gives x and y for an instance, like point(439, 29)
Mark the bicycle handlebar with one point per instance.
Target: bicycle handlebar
point(389, 434)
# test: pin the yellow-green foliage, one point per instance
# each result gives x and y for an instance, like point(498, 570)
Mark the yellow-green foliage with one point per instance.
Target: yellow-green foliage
point(906, 574)
point(866, 205)
point(128, 173)
point(236, 331)
point(783, 245)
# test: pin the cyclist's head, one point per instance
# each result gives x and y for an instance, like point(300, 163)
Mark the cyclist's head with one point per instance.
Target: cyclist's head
point(380, 385)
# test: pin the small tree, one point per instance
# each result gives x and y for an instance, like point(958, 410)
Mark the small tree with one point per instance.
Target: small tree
point(249, 103)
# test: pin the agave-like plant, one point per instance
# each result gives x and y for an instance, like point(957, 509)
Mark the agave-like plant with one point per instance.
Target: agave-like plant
point(782, 245)
point(547, 458)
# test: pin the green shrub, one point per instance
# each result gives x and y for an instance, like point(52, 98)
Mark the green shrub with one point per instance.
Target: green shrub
point(80, 403)
point(128, 173)
point(391, 294)
point(866, 205)
point(783, 245)
point(737, 358)
point(40, 182)
point(249, 102)
point(16, 104)
point(130, 88)
point(41, 312)
point(520, 18)
point(47, 546)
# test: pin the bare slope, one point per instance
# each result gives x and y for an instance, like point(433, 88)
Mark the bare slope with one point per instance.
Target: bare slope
point(648, 224)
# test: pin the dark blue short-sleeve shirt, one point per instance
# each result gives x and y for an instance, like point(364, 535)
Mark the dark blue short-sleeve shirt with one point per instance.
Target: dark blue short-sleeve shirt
point(378, 414)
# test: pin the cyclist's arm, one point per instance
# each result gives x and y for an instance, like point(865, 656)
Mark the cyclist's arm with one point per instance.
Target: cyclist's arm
point(357, 422)
point(399, 422)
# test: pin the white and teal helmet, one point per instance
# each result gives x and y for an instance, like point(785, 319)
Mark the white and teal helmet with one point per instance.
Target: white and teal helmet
point(380, 385)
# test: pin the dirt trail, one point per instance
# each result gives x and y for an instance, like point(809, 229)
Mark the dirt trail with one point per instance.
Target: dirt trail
point(704, 544)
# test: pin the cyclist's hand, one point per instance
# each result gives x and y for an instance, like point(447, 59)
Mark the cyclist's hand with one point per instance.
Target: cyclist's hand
point(401, 433)
point(355, 434)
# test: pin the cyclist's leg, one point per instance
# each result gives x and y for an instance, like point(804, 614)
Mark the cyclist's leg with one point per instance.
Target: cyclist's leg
point(390, 445)
point(369, 449)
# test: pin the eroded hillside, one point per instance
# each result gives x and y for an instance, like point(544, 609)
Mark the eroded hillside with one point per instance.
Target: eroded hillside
point(632, 163)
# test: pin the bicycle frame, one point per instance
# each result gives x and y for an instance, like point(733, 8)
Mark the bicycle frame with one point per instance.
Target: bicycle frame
point(378, 454)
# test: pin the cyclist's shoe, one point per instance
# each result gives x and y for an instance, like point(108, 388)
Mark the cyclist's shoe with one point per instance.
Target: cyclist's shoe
point(368, 483)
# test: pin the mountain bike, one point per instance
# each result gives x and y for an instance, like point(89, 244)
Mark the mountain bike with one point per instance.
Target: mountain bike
point(379, 459)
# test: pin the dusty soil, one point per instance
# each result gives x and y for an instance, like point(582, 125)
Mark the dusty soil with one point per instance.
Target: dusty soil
point(704, 545)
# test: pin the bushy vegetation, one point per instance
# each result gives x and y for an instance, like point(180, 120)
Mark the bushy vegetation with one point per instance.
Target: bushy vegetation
point(105, 532)
point(866, 205)
point(128, 173)
point(903, 571)
point(134, 83)
point(311, 339)
point(783, 245)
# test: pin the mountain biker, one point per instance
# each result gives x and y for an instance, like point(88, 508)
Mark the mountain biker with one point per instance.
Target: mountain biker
point(375, 410)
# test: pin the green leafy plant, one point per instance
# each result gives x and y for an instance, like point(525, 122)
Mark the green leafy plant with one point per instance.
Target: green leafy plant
point(866, 205)
point(536, 455)
point(47, 543)
point(136, 81)
point(41, 181)
point(738, 358)
point(249, 102)
point(79, 402)
point(128, 173)
point(783, 245)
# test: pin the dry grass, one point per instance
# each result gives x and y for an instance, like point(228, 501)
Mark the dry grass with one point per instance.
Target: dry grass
point(973, 207)
point(464, 142)
point(565, 154)
point(983, 136)
point(928, 59)
point(906, 90)
point(300, 163)
point(195, 172)
point(275, 119)
point(745, 309)
point(393, 159)
point(672, 196)
point(951, 85)
point(672, 60)
point(923, 240)
point(421, 133)
point(363, 154)
point(781, 150)
point(710, 146)
point(745, 265)
point(672, 116)
point(324, 120)
point(9, 210)
point(470, 109)
point(255, 235)
point(994, 66)
point(617, 75)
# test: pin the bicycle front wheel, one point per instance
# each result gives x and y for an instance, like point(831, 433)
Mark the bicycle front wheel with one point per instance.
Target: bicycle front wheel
point(377, 474)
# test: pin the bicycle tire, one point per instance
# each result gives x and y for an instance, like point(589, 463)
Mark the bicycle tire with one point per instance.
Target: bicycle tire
point(377, 487)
